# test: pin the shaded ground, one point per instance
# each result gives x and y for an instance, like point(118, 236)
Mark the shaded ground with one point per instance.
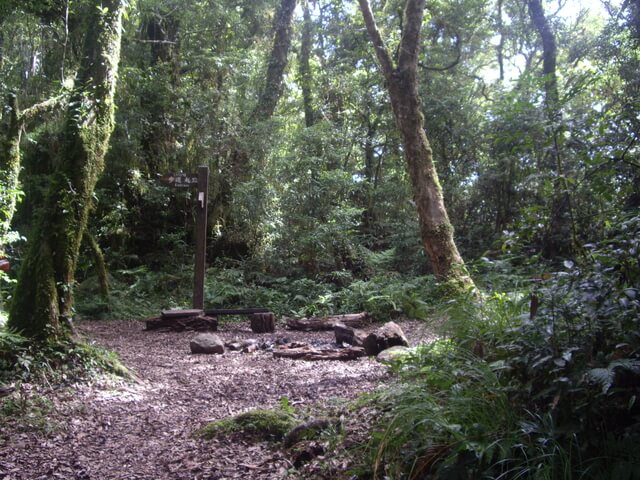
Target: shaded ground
point(144, 430)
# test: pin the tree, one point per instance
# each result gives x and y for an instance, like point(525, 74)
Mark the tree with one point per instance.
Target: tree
point(560, 231)
point(10, 158)
point(42, 306)
point(435, 227)
point(306, 77)
point(246, 159)
point(272, 88)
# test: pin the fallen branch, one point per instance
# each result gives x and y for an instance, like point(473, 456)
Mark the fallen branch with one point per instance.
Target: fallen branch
point(354, 320)
point(312, 354)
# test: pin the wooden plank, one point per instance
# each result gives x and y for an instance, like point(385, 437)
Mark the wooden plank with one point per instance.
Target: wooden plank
point(235, 311)
point(181, 313)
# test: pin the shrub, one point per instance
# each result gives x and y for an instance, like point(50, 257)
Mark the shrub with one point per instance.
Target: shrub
point(527, 391)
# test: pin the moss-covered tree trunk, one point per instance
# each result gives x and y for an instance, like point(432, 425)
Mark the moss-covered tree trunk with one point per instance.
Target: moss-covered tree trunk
point(9, 166)
point(272, 89)
point(10, 157)
point(402, 83)
point(43, 301)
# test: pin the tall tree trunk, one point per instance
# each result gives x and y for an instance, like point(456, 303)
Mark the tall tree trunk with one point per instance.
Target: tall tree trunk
point(43, 301)
point(500, 46)
point(159, 135)
point(402, 83)
point(99, 264)
point(560, 237)
point(306, 78)
point(272, 90)
point(236, 240)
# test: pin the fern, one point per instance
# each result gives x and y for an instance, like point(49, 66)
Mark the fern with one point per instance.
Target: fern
point(606, 377)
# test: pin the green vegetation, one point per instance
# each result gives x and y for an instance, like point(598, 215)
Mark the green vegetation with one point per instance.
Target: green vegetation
point(508, 394)
point(260, 425)
point(30, 410)
point(326, 197)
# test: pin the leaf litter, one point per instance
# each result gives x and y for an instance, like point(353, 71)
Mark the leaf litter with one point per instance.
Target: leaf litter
point(144, 429)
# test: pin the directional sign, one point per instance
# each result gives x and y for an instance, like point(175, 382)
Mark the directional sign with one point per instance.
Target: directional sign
point(180, 180)
point(200, 181)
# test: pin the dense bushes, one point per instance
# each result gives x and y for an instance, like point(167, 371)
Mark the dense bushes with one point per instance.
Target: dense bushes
point(527, 391)
point(140, 292)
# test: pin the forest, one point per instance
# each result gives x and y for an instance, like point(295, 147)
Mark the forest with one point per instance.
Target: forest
point(459, 177)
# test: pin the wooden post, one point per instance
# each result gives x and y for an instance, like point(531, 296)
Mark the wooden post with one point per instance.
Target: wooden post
point(202, 198)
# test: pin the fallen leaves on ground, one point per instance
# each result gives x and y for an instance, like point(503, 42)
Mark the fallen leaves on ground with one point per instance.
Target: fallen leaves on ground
point(143, 430)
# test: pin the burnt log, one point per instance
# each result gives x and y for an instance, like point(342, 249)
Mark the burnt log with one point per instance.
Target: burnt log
point(309, 353)
point(263, 322)
point(348, 335)
point(355, 320)
point(389, 335)
point(179, 324)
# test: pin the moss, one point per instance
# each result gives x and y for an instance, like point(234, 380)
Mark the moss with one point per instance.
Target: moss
point(9, 167)
point(43, 301)
point(255, 424)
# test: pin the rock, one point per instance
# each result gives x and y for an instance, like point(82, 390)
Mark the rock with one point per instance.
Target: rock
point(234, 345)
point(207, 343)
point(172, 321)
point(393, 353)
point(389, 335)
point(348, 335)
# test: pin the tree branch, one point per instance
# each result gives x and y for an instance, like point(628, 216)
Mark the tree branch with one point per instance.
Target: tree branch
point(38, 109)
point(386, 63)
point(451, 65)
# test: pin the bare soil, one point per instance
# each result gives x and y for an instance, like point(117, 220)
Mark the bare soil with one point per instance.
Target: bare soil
point(144, 429)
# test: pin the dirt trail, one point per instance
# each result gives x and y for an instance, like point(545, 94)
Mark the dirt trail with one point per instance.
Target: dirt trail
point(144, 430)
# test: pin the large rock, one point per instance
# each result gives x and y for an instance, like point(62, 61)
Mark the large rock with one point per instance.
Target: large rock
point(389, 335)
point(348, 335)
point(207, 343)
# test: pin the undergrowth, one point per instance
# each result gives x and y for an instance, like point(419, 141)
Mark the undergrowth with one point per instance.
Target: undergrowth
point(53, 363)
point(540, 382)
point(140, 292)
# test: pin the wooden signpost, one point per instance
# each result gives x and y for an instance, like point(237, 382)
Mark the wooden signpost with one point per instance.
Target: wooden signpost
point(200, 181)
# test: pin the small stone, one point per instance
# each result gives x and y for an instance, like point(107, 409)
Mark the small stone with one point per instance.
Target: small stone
point(207, 343)
point(234, 345)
